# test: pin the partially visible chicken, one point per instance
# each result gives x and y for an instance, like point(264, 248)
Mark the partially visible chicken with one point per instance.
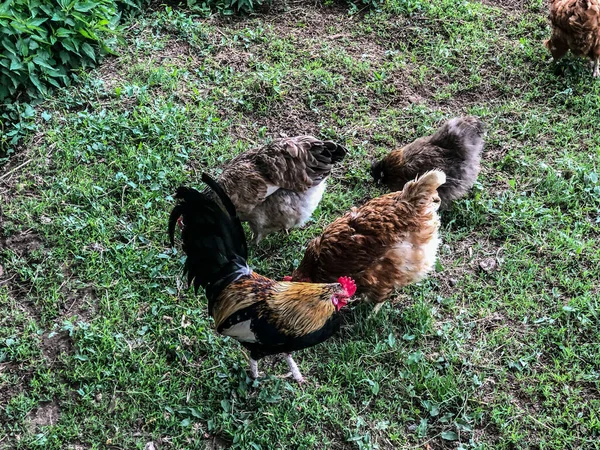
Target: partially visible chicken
point(575, 27)
point(278, 186)
point(455, 149)
point(389, 242)
point(265, 316)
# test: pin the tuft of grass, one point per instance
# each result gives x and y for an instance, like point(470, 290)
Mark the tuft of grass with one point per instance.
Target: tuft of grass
point(103, 346)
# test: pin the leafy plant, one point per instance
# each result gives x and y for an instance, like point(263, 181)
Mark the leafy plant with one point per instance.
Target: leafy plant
point(226, 7)
point(43, 41)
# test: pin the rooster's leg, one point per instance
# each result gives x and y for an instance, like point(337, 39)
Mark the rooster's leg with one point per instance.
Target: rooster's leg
point(294, 368)
point(253, 368)
point(596, 73)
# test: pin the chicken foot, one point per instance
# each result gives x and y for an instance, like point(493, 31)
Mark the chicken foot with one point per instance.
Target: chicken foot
point(596, 72)
point(294, 368)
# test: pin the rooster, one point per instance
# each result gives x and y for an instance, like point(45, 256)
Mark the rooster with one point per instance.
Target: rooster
point(455, 148)
point(389, 242)
point(575, 27)
point(278, 186)
point(266, 316)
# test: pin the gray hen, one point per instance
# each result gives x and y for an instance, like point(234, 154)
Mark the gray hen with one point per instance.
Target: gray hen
point(455, 149)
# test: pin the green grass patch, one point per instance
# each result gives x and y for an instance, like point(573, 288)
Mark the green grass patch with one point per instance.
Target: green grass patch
point(103, 346)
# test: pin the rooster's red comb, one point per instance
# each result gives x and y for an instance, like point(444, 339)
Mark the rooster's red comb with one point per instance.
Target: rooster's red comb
point(348, 284)
point(287, 278)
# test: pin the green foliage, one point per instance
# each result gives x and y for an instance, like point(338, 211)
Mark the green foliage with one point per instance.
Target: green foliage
point(226, 7)
point(44, 41)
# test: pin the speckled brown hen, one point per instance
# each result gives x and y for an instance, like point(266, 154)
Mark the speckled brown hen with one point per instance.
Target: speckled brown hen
point(575, 27)
point(278, 186)
point(389, 242)
point(455, 149)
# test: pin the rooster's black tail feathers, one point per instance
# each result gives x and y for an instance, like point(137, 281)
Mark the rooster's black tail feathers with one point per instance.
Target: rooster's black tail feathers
point(213, 238)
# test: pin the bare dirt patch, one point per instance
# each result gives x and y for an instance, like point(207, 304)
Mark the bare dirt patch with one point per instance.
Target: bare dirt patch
point(18, 379)
point(81, 303)
point(46, 415)
point(468, 256)
point(21, 243)
point(217, 443)
point(54, 344)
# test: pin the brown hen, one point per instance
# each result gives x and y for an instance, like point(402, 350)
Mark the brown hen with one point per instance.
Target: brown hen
point(278, 186)
point(575, 27)
point(387, 243)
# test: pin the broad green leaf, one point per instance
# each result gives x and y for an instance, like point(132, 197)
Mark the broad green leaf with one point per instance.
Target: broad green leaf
point(16, 65)
point(23, 45)
point(36, 82)
point(449, 435)
point(62, 32)
point(88, 34)
point(37, 22)
point(68, 44)
point(85, 6)
point(88, 50)
point(42, 62)
point(47, 9)
point(8, 45)
point(53, 82)
point(65, 57)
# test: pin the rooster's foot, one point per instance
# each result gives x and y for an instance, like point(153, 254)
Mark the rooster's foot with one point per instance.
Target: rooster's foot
point(294, 369)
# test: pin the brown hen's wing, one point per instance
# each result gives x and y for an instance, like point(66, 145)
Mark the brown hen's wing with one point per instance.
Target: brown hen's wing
point(350, 244)
point(246, 186)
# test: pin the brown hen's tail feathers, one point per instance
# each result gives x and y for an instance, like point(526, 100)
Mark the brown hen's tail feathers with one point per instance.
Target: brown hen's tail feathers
point(421, 190)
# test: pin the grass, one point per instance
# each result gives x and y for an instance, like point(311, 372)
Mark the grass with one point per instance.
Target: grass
point(102, 345)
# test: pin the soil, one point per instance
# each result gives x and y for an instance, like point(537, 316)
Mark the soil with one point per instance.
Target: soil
point(21, 243)
point(510, 5)
point(47, 414)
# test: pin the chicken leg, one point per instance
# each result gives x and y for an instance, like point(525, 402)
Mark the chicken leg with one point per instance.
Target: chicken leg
point(294, 368)
point(596, 72)
point(253, 368)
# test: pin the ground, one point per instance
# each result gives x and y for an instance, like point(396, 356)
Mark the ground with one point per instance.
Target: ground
point(103, 346)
